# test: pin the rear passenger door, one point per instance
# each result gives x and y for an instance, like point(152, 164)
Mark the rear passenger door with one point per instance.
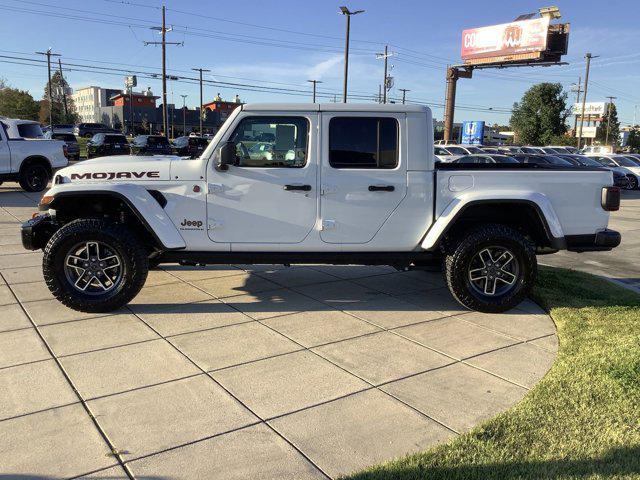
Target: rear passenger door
point(363, 174)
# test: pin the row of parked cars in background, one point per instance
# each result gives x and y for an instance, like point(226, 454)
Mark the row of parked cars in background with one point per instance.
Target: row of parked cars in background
point(105, 144)
point(624, 167)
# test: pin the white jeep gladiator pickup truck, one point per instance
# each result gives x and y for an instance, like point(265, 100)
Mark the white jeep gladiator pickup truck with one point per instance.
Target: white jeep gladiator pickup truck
point(31, 162)
point(316, 183)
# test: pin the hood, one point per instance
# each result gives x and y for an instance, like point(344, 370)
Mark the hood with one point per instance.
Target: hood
point(119, 168)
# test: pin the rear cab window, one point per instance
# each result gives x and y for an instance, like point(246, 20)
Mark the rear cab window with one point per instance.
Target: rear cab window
point(30, 130)
point(363, 142)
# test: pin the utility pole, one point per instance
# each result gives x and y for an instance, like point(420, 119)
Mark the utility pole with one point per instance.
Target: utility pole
point(49, 54)
point(578, 89)
point(315, 82)
point(184, 114)
point(404, 94)
point(200, 70)
point(64, 93)
point(588, 56)
point(606, 138)
point(347, 13)
point(164, 74)
point(163, 31)
point(384, 56)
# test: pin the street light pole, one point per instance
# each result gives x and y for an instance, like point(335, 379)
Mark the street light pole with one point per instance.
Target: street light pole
point(184, 114)
point(606, 138)
point(315, 82)
point(200, 70)
point(404, 94)
point(49, 54)
point(347, 13)
point(588, 56)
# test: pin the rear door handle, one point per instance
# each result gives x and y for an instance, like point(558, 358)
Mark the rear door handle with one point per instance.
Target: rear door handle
point(381, 188)
point(304, 188)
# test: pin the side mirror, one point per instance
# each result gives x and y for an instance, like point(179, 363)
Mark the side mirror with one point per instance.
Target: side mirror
point(226, 156)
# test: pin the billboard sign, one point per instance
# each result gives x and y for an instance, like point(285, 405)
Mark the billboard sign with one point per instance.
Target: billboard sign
point(587, 132)
point(472, 132)
point(590, 108)
point(521, 40)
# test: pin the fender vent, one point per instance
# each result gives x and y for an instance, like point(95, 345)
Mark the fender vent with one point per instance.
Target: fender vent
point(160, 198)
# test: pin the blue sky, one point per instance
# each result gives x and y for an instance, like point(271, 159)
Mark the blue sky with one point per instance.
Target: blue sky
point(282, 43)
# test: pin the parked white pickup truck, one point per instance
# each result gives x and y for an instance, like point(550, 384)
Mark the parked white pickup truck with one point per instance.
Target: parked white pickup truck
point(342, 184)
point(31, 162)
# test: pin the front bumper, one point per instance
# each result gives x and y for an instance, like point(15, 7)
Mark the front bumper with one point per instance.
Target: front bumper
point(602, 241)
point(37, 231)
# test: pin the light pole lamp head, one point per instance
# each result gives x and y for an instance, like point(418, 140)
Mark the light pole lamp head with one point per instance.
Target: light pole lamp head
point(346, 11)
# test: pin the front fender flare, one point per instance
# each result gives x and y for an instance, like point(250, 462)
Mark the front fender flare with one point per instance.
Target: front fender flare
point(457, 206)
point(138, 199)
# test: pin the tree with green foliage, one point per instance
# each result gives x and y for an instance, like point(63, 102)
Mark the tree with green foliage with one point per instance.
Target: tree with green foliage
point(540, 115)
point(633, 141)
point(60, 93)
point(610, 119)
point(16, 103)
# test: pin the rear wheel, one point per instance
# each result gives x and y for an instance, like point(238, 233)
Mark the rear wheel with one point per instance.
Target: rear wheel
point(34, 177)
point(491, 269)
point(93, 265)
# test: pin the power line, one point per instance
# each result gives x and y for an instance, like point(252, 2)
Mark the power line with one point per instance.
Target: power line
point(228, 85)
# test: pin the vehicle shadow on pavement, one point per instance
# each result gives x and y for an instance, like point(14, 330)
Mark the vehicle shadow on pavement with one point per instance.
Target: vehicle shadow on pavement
point(253, 294)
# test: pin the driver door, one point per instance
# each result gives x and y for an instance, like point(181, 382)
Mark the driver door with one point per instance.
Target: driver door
point(269, 196)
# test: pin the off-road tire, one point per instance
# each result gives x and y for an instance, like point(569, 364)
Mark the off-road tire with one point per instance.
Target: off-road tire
point(32, 172)
point(119, 238)
point(459, 256)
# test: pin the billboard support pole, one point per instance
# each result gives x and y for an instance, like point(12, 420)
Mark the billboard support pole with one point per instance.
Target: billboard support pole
point(453, 73)
point(450, 102)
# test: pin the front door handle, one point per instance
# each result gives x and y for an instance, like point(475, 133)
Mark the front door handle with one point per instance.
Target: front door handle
point(304, 188)
point(381, 188)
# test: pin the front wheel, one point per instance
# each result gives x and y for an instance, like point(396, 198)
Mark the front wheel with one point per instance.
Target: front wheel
point(93, 265)
point(491, 269)
point(633, 183)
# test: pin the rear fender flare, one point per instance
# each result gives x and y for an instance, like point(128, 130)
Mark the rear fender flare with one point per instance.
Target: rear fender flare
point(539, 201)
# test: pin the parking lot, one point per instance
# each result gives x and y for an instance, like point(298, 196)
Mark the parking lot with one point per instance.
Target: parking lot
point(621, 264)
point(248, 372)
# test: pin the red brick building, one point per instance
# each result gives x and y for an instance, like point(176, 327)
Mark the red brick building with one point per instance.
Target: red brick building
point(140, 100)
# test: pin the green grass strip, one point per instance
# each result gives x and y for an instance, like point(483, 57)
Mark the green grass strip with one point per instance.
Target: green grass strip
point(581, 421)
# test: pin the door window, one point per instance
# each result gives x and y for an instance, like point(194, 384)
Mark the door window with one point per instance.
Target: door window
point(271, 142)
point(363, 142)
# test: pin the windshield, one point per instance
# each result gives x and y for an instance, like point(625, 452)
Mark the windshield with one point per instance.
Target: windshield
point(625, 162)
point(590, 162)
point(557, 160)
point(456, 151)
point(474, 149)
point(633, 159)
point(504, 159)
point(30, 130)
point(606, 161)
